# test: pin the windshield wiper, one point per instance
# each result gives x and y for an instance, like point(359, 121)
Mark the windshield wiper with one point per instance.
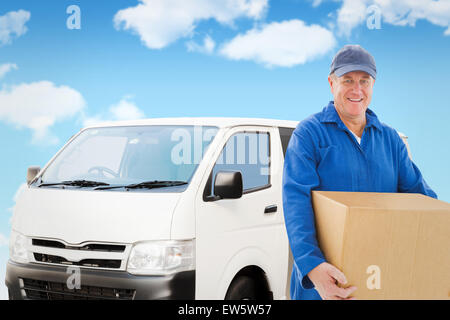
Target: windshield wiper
point(155, 184)
point(77, 183)
point(147, 185)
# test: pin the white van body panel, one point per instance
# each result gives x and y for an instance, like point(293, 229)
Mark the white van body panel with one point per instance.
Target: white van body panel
point(235, 233)
point(184, 217)
point(77, 216)
point(220, 122)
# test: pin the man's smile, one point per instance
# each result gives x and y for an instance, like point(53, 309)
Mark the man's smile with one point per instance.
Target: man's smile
point(355, 100)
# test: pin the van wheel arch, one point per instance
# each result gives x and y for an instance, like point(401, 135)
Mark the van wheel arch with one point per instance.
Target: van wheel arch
point(249, 283)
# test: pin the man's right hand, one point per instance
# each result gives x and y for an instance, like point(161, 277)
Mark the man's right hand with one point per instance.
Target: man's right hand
point(325, 278)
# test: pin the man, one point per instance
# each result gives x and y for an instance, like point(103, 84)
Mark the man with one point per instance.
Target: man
point(343, 148)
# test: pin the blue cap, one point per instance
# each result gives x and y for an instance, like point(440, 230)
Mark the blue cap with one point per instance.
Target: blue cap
point(353, 58)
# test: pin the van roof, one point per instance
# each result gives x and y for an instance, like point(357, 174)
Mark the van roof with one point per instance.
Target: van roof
point(205, 121)
point(201, 121)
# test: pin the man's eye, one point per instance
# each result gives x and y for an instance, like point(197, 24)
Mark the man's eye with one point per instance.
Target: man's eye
point(348, 81)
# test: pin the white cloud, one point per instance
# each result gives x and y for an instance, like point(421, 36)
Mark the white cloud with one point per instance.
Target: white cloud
point(351, 14)
point(39, 105)
point(207, 46)
point(399, 12)
point(123, 110)
point(161, 22)
point(316, 3)
point(22, 187)
point(4, 240)
point(13, 24)
point(284, 44)
point(7, 67)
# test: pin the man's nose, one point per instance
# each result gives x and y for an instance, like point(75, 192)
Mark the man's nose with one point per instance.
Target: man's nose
point(357, 88)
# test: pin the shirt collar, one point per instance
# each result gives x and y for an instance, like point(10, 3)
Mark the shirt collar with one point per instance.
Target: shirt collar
point(329, 114)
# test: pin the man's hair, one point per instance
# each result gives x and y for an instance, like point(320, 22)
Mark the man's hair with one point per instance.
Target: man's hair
point(335, 77)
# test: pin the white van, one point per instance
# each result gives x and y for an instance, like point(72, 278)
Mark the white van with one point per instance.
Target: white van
point(181, 208)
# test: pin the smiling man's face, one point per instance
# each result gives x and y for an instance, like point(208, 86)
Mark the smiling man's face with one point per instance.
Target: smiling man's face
point(352, 94)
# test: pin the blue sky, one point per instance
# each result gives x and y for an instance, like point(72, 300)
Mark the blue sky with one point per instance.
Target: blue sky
point(237, 58)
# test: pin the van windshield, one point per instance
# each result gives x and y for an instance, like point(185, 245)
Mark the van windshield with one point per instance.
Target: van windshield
point(123, 156)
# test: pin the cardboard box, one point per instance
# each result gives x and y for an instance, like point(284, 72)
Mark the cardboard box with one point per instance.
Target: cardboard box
point(389, 245)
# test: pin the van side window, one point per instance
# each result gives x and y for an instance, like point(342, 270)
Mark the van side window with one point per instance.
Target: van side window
point(285, 136)
point(249, 153)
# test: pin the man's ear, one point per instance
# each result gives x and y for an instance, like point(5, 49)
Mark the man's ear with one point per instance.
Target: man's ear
point(330, 81)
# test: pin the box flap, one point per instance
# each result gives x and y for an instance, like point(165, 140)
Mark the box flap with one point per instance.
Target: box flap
point(386, 201)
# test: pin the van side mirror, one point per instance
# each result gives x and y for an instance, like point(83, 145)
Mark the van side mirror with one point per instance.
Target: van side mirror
point(32, 173)
point(228, 185)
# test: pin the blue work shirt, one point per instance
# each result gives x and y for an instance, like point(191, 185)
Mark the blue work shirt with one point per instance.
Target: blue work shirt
point(323, 154)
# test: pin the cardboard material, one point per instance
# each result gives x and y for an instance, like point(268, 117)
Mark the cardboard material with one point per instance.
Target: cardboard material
point(389, 245)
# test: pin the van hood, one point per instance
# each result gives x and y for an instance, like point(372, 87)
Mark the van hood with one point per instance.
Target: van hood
point(77, 216)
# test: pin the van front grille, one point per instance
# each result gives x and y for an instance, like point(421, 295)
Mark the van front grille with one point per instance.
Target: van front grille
point(88, 247)
point(46, 290)
point(95, 263)
point(85, 255)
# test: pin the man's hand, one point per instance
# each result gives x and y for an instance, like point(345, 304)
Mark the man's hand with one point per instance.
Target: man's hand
point(325, 278)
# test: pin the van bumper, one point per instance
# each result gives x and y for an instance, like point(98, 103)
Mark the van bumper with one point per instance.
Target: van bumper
point(34, 281)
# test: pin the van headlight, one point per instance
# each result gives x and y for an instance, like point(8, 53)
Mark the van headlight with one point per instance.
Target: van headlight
point(18, 245)
point(161, 257)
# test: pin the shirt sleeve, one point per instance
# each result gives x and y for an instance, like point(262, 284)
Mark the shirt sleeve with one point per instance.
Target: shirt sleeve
point(299, 178)
point(410, 178)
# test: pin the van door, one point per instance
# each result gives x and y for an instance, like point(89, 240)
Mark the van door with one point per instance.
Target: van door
point(232, 234)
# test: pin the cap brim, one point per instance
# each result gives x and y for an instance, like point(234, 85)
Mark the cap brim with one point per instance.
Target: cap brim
point(355, 67)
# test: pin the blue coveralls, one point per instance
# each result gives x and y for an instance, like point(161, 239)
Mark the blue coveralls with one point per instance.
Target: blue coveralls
point(324, 155)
